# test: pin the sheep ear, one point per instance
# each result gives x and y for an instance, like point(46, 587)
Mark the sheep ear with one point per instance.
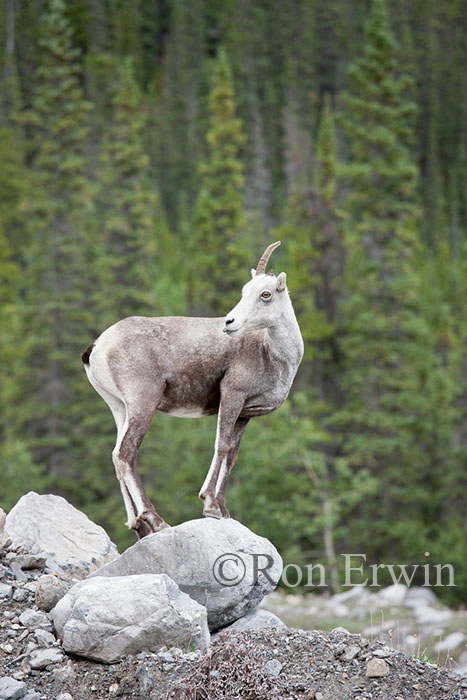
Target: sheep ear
point(253, 272)
point(281, 282)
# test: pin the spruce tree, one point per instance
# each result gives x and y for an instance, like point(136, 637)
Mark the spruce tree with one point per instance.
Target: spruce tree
point(388, 353)
point(54, 315)
point(177, 134)
point(127, 204)
point(220, 256)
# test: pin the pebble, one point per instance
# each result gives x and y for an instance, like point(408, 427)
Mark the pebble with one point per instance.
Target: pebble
point(20, 595)
point(166, 656)
point(44, 657)
point(377, 668)
point(29, 561)
point(273, 668)
point(64, 696)
point(11, 689)
point(350, 653)
point(65, 673)
point(17, 572)
point(5, 590)
point(145, 680)
point(44, 638)
point(382, 653)
point(49, 590)
point(32, 619)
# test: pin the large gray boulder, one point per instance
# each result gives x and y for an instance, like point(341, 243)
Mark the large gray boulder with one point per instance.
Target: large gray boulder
point(49, 524)
point(107, 618)
point(5, 539)
point(220, 563)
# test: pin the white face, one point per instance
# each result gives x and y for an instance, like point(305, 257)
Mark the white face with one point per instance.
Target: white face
point(263, 299)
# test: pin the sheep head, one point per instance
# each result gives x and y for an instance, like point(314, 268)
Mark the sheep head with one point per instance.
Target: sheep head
point(264, 300)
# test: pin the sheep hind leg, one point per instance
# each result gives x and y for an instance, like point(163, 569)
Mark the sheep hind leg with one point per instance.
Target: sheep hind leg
point(142, 516)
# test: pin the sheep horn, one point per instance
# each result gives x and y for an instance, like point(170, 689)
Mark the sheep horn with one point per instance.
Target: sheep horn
point(264, 259)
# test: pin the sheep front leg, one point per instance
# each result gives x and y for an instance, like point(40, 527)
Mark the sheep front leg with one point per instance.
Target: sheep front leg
point(228, 464)
point(229, 411)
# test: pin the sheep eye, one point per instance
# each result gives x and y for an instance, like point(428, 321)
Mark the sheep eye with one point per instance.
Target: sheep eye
point(265, 295)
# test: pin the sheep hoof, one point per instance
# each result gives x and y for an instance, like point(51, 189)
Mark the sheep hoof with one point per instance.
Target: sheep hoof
point(147, 523)
point(212, 513)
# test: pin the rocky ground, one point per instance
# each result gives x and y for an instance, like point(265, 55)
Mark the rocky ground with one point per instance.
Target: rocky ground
point(255, 664)
point(407, 619)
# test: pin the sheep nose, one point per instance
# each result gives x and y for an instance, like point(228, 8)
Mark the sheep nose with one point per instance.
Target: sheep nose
point(227, 323)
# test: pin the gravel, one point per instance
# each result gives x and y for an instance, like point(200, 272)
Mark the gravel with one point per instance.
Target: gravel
point(269, 664)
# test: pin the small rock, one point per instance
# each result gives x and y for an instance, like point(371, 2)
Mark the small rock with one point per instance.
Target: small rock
point(6, 647)
point(176, 652)
point(256, 619)
point(356, 593)
point(64, 696)
point(340, 630)
point(114, 689)
point(318, 696)
point(382, 653)
point(273, 668)
point(393, 595)
point(377, 668)
point(145, 680)
point(426, 615)
point(350, 653)
point(17, 571)
point(42, 658)
point(19, 675)
point(30, 561)
point(44, 638)
point(21, 595)
point(32, 695)
point(451, 642)
point(5, 590)
point(418, 595)
point(49, 590)
point(166, 656)
point(32, 619)
point(10, 689)
point(63, 674)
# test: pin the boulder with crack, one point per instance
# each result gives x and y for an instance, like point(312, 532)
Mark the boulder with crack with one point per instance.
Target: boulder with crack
point(48, 524)
point(105, 619)
point(221, 564)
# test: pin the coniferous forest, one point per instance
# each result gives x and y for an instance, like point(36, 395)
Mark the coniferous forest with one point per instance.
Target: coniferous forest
point(149, 151)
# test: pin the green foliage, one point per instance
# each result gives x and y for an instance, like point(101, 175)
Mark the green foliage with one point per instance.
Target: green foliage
point(134, 179)
point(127, 202)
point(221, 260)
